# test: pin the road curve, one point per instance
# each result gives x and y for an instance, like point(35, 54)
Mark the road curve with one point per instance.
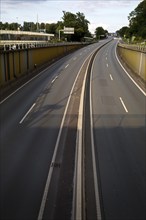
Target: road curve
point(30, 123)
point(118, 109)
point(38, 142)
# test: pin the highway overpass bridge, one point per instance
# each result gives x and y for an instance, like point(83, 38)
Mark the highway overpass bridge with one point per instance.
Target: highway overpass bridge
point(24, 35)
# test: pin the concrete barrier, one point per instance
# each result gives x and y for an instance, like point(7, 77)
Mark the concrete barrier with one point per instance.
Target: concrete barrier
point(134, 59)
point(16, 63)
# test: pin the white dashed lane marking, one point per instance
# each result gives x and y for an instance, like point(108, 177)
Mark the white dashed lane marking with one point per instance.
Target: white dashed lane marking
point(123, 104)
point(111, 77)
point(66, 66)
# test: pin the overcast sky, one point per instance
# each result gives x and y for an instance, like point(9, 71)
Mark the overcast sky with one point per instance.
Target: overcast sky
point(110, 14)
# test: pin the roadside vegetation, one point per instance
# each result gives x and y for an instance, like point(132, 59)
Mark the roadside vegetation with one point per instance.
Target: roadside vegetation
point(77, 21)
point(136, 31)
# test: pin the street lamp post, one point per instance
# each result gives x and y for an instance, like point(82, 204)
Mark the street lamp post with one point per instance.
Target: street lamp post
point(59, 33)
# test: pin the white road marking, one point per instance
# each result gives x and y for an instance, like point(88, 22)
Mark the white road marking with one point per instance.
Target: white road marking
point(54, 79)
point(144, 93)
point(107, 64)
point(27, 113)
point(80, 54)
point(66, 65)
point(44, 198)
point(96, 185)
point(74, 58)
point(106, 58)
point(79, 156)
point(111, 77)
point(77, 195)
point(30, 81)
point(123, 104)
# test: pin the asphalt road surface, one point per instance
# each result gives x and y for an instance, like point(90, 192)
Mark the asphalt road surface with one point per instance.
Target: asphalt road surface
point(119, 127)
point(38, 134)
point(30, 123)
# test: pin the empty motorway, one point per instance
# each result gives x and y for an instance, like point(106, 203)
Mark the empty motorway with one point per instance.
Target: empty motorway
point(118, 125)
point(72, 142)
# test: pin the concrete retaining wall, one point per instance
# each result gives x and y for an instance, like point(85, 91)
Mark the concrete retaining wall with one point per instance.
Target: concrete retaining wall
point(15, 63)
point(135, 60)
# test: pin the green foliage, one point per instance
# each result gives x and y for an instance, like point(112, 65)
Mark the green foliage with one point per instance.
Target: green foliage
point(77, 21)
point(124, 32)
point(100, 32)
point(137, 20)
point(7, 26)
point(69, 19)
point(137, 23)
point(29, 26)
point(51, 28)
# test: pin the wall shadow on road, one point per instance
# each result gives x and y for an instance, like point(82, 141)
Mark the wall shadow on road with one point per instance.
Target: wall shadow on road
point(25, 163)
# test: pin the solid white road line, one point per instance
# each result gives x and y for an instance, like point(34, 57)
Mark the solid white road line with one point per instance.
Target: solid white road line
point(79, 155)
point(44, 198)
point(96, 185)
point(144, 93)
point(77, 207)
point(27, 113)
point(123, 104)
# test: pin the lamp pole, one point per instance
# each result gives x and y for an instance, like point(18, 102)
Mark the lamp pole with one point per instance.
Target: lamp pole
point(59, 33)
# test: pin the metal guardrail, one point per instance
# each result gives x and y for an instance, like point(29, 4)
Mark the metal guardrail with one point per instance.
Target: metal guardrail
point(17, 45)
point(137, 47)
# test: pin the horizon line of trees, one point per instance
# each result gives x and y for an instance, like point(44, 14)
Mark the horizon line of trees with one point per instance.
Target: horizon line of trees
point(136, 31)
point(78, 21)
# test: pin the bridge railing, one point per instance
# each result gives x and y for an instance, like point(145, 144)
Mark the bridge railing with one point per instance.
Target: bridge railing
point(17, 45)
point(18, 62)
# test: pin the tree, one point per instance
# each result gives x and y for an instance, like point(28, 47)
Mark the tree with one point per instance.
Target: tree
point(29, 26)
point(78, 22)
point(13, 26)
point(137, 20)
point(100, 32)
point(51, 28)
point(69, 19)
point(124, 32)
point(42, 25)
